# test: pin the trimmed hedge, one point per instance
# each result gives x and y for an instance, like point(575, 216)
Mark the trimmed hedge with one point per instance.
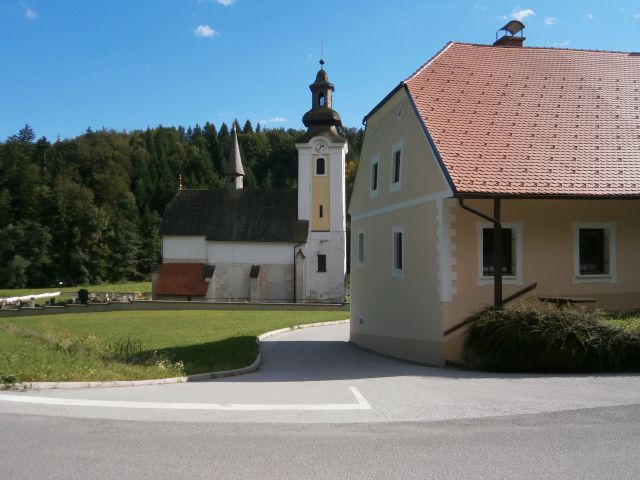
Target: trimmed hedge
point(537, 337)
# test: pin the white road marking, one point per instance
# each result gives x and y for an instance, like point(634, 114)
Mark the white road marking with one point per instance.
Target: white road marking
point(78, 402)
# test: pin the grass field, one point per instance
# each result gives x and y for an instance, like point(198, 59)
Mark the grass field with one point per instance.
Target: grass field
point(629, 321)
point(137, 345)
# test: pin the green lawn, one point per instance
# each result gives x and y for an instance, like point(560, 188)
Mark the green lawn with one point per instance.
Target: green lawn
point(137, 345)
point(628, 321)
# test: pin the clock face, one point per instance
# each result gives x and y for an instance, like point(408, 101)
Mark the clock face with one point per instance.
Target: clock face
point(320, 147)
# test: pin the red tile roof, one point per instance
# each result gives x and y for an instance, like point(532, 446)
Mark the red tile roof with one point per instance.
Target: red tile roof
point(533, 121)
point(182, 279)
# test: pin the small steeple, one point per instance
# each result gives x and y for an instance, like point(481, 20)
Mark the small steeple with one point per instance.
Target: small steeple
point(235, 171)
point(322, 116)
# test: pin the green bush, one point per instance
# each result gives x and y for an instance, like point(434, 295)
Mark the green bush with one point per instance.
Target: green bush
point(542, 337)
point(83, 295)
point(7, 381)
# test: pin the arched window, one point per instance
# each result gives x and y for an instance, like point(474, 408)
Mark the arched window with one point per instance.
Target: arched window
point(320, 170)
point(321, 99)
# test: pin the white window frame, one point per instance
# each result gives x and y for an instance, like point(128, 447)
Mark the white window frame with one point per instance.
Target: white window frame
point(361, 248)
point(396, 147)
point(315, 166)
point(610, 229)
point(375, 160)
point(517, 278)
point(398, 272)
point(326, 267)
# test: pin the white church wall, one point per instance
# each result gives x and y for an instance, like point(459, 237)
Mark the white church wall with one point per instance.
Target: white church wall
point(252, 253)
point(187, 249)
point(325, 286)
point(233, 261)
point(231, 283)
point(338, 194)
point(304, 181)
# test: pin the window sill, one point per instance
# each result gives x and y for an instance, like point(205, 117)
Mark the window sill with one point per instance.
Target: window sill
point(373, 193)
point(607, 278)
point(398, 274)
point(395, 187)
point(506, 280)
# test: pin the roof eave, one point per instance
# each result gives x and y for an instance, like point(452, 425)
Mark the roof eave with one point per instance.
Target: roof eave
point(382, 102)
point(425, 129)
point(542, 196)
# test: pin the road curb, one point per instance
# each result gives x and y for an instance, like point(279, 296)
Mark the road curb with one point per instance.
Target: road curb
point(199, 377)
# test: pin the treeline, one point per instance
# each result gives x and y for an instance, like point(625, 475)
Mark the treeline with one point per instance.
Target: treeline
point(88, 209)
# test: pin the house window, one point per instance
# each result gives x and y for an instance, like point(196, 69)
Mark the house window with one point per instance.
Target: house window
point(594, 252)
point(488, 264)
point(375, 162)
point(374, 177)
point(320, 213)
point(397, 252)
point(511, 253)
point(320, 167)
point(322, 263)
point(396, 166)
point(360, 248)
point(397, 157)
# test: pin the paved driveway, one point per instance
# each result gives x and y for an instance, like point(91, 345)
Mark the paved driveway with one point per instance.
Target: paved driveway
point(314, 375)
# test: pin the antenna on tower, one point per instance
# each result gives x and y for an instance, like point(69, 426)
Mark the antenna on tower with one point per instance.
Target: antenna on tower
point(322, 52)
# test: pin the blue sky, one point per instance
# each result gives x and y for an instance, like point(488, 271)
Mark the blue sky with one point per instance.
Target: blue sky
point(127, 64)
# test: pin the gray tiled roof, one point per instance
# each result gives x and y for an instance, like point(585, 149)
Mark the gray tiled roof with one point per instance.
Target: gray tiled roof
point(269, 215)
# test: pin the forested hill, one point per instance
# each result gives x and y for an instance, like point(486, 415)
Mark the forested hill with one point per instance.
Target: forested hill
point(88, 209)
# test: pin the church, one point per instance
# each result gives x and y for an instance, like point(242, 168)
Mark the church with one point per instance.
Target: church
point(267, 245)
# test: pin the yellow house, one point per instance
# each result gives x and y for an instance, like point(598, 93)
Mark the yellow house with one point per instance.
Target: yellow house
point(492, 172)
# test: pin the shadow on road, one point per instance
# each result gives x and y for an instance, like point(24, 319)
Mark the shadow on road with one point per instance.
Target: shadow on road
point(292, 361)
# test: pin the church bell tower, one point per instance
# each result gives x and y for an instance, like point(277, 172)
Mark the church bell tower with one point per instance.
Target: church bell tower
point(321, 196)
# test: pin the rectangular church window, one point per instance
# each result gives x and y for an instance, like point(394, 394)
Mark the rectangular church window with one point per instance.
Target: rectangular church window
point(322, 263)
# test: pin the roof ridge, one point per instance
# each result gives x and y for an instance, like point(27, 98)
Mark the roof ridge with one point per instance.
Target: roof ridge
point(428, 62)
point(534, 47)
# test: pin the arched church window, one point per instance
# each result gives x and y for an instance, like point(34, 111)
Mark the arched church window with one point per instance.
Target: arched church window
point(320, 170)
point(321, 99)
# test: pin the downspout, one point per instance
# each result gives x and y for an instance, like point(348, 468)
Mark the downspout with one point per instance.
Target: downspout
point(497, 247)
point(294, 270)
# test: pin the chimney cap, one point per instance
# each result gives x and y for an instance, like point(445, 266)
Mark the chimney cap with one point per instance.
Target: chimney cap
point(513, 27)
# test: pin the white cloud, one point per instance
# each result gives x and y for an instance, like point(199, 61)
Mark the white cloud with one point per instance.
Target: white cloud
point(550, 20)
point(562, 44)
point(272, 120)
point(636, 15)
point(590, 16)
point(30, 13)
point(522, 13)
point(480, 6)
point(226, 3)
point(204, 31)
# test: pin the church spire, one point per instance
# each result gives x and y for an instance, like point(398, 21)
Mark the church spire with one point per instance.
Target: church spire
point(235, 171)
point(322, 116)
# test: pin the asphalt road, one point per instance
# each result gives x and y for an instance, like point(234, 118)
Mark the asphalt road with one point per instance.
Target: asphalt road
point(599, 443)
point(322, 408)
